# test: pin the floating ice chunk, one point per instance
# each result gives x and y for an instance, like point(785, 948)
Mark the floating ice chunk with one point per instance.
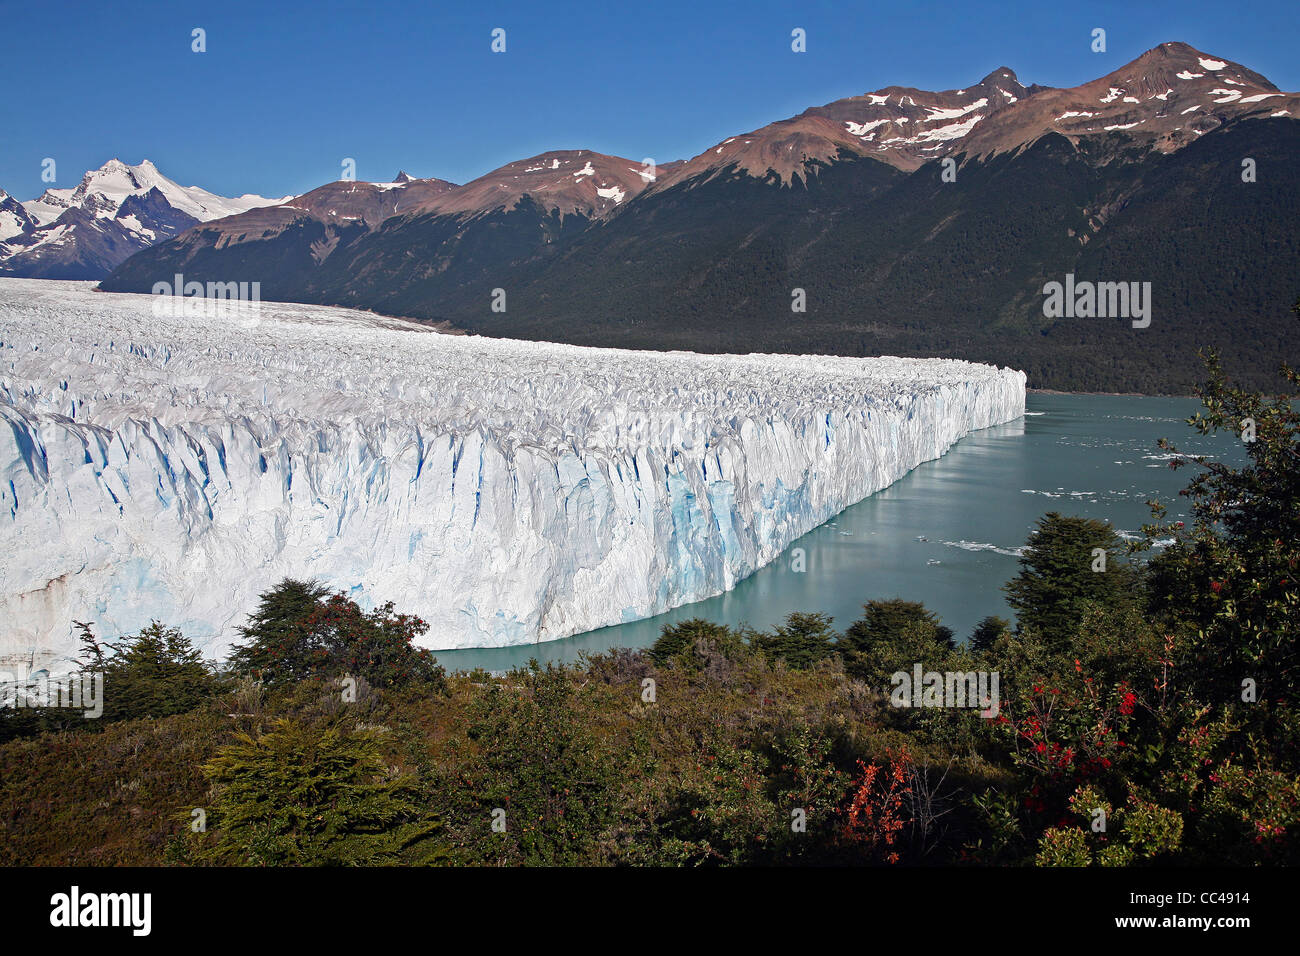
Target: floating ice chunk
point(984, 546)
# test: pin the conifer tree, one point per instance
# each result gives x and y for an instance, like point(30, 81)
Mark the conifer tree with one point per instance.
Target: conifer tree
point(1068, 562)
point(302, 795)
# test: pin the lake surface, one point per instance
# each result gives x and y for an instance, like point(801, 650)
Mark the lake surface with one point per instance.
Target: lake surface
point(948, 533)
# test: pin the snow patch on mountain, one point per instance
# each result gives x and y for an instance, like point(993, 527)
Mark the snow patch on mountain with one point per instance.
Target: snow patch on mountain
point(939, 113)
point(861, 129)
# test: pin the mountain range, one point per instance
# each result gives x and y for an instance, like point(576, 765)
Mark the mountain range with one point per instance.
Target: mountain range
point(914, 222)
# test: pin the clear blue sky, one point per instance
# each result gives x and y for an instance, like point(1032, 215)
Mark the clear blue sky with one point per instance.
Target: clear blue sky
point(288, 88)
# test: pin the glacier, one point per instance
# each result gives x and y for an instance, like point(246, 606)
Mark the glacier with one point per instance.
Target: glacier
point(508, 492)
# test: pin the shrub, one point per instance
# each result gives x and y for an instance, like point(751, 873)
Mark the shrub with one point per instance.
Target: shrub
point(1057, 580)
point(297, 633)
point(303, 795)
point(802, 641)
point(687, 642)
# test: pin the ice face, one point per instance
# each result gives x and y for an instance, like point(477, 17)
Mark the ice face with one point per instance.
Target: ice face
point(508, 492)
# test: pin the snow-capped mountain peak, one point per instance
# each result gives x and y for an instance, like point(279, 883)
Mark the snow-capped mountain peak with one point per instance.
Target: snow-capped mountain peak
point(14, 219)
point(1166, 98)
point(112, 183)
point(566, 180)
point(115, 211)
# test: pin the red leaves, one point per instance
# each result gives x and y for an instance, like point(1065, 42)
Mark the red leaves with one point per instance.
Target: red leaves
point(875, 812)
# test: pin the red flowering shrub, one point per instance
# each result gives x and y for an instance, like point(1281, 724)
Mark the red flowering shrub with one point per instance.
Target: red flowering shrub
point(876, 812)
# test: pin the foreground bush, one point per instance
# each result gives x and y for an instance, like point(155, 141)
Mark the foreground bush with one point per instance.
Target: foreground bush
point(303, 795)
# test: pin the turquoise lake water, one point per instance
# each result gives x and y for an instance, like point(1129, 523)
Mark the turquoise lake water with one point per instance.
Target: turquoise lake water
point(948, 532)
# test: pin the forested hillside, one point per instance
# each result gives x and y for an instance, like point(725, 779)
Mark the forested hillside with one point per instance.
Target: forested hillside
point(890, 262)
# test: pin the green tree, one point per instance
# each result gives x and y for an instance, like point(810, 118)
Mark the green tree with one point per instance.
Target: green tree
point(303, 795)
point(1068, 563)
point(1233, 573)
point(154, 673)
point(893, 635)
point(802, 641)
point(987, 632)
point(273, 633)
point(296, 634)
point(683, 641)
point(882, 621)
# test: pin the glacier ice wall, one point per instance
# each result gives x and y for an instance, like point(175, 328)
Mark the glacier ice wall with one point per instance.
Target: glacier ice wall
point(508, 492)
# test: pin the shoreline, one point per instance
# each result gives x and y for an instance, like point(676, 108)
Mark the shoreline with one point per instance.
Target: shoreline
point(1057, 391)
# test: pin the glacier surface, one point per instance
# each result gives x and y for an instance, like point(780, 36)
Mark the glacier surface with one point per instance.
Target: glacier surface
point(508, 492)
